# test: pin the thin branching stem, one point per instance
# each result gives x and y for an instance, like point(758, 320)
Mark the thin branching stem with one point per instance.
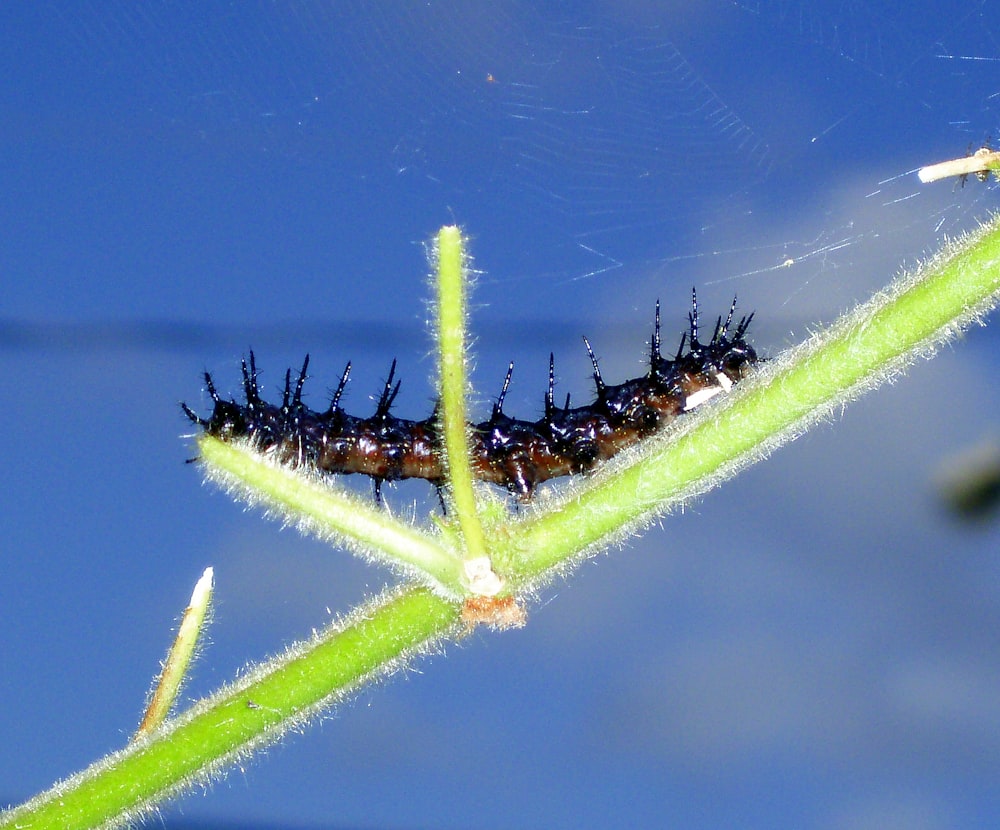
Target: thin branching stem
point(910, 319)
point(336, 515)
point(182, 651)
point(249, 714)
point(452, 287)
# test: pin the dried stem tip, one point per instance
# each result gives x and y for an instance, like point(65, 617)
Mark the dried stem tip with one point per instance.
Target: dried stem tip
point(980, 162)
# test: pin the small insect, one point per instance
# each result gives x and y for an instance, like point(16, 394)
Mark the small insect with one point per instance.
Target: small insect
point(983, 153)
point(982, 163)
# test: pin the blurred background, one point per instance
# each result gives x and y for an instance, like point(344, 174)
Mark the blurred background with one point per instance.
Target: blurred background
point(815, 644)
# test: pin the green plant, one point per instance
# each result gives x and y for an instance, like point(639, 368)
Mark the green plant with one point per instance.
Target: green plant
point(484, 563)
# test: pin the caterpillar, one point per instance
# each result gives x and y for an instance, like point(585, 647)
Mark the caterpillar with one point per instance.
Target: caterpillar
point(509, 452)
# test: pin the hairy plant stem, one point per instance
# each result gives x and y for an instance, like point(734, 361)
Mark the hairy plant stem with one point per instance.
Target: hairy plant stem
point(868, 345)
point(341, 517)
point(175, 667)
point(913, 316)
point(243, 716)
point(452, 285)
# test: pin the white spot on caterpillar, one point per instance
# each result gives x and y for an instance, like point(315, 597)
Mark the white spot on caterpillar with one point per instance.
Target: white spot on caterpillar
point(699, 397)
point(709, 392)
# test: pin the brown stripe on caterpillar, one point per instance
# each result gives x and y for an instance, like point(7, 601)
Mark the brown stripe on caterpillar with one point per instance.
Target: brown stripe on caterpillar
point(513, 453)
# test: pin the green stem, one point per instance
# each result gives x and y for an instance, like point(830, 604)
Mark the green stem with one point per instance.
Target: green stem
point(864, 348)
point(175, 667)
point(451, 289)
point(245, 716)
point(336, 515)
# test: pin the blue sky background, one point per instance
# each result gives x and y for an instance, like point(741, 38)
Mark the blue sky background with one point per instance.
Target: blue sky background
point(816, 644)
